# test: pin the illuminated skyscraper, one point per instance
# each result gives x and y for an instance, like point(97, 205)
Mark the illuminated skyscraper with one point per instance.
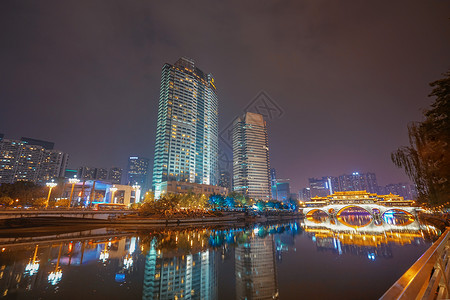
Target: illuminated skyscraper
point(251, 157)
point(186, 146)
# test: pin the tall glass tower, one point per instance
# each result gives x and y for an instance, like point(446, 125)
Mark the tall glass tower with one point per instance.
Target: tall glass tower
point(187, 130)
point(251, 156)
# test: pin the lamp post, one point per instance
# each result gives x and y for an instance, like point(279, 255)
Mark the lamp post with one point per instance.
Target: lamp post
point(51, 185)
point(113, 189)
point(72, 181)
point(137, 193)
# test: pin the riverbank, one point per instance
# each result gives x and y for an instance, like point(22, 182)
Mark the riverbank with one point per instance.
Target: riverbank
point(135, 220)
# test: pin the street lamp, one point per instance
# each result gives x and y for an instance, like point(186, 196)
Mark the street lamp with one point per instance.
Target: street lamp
point(72, 181)
point(51, 185)
point(113, 189)
point(137, 192)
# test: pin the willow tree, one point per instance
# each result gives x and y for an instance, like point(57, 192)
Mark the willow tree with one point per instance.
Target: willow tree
point(426, 160)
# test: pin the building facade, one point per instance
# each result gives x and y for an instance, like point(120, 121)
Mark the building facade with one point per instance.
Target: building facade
point(358, 182)
point(115, 175)
point(186, 146)
point(283, 190)
point(251, 157)
point(22, 161)
point(180, 187)
point(137, 172)
point(320, 186)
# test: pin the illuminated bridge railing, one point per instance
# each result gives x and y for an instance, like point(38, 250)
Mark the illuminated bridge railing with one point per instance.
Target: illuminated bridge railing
point(428, 278)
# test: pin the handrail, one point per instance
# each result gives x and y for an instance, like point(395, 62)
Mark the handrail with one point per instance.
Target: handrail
point(428, 276)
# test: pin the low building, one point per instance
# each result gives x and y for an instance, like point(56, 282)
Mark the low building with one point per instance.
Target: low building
point(180, 187)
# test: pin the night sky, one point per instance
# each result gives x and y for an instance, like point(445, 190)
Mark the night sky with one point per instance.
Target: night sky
point(346, 76)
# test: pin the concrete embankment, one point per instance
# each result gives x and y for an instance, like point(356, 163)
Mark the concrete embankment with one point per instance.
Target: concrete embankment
point(145, 221)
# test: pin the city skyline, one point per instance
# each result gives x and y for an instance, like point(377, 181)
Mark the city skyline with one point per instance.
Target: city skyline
point(349, 78)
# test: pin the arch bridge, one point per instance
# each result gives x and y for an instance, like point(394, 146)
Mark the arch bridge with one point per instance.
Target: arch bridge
point(374, 209)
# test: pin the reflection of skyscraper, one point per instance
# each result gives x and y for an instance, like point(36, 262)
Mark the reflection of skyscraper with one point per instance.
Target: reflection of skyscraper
point(251, 157)
point(256, 276)
point(189, 276)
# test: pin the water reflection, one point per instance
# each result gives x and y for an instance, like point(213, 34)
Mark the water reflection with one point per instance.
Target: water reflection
point(357, 232)
point(256, 269)
point(175, 263)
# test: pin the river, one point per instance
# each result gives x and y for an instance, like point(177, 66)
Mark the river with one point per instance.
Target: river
point(352, 257)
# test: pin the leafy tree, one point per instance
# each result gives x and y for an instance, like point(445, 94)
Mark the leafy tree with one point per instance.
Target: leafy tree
point(229, 202)
point(427, 158)
point(6, 201)
point(25, 191)
point(216, 201)
point(149, 197)
point(62, 203)
point(261, 205)
point(39, 202)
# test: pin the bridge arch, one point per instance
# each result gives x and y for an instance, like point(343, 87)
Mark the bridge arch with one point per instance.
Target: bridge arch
point(355, 206)
point(410, 216)
point(344, 222)
point(312, 211)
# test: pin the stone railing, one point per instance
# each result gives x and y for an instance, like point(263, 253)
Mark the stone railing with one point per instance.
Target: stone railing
point(428, 278)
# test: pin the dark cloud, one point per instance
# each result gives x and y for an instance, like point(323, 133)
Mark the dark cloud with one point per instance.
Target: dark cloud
point(349, 75)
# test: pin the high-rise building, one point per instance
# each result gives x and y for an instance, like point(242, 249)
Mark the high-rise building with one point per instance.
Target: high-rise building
point(35, 142)
point(87, 173)
point(273, 182)
point(304, 194)
point(186, 146)
point(225, 180)
point(101, 174)
point(115, 175)
point(358, 182)
point(251, 157)
point(405, 190)
point(283, 190)
point(320, 186)
point(137, 172)
point(53, 165)
point(23, 161)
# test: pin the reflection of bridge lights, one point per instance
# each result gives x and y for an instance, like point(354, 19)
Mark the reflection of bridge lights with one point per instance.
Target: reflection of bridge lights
point(55, 277)
point(127, 262)
point(32, 268)
point(104, 255)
